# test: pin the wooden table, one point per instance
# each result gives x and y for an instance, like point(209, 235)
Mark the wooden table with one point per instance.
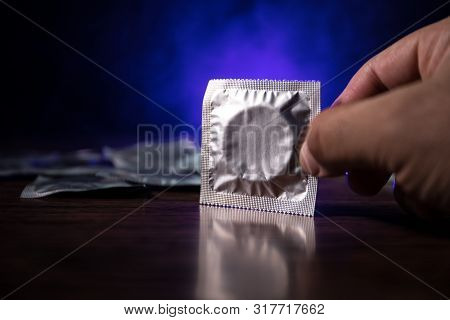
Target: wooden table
point(163, 246)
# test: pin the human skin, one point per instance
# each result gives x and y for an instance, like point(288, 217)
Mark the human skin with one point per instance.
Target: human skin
point(393, 117)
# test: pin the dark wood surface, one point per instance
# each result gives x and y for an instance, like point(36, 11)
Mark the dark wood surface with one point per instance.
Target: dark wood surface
point(167, 249)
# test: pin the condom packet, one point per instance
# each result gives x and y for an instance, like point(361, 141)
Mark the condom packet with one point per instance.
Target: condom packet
point(171, 163)
point(252, 131)
point(47, 185)
point(162, 163)
point(80, 162)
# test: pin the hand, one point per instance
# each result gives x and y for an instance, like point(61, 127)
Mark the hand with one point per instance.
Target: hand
point(393, 117)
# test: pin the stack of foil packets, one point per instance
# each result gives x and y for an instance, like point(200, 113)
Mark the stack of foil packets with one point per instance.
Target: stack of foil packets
point(174, 163)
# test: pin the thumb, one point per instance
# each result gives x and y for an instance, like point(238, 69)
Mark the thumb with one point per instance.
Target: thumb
point(358, 137)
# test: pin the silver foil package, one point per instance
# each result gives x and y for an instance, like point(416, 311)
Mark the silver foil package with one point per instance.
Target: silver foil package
point(45, 185)
point(162, 164)
point(171, 163)
point(252, 131)
point(81, 162)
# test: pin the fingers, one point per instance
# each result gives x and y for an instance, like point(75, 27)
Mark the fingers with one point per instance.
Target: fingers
point(416, 56)
point(340, 139)
point(393, 67)
point(358, 137)
point(413, 57)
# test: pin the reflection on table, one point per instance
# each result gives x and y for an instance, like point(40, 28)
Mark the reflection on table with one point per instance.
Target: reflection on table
point(252, 254)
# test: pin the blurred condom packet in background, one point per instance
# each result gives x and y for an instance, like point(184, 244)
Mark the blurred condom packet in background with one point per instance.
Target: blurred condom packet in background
point(173, 163)
point(162, 164)
point(47, 185)
point(55, 163)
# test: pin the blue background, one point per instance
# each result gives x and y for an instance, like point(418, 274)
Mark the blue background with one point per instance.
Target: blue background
point(169, 50)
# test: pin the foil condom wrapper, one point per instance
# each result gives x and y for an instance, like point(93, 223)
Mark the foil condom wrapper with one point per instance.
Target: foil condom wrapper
point(252, 131)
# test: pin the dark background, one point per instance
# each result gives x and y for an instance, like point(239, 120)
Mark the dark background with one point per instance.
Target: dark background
point(51, 97)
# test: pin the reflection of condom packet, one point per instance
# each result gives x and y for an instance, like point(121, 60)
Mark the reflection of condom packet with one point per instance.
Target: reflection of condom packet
point(252, 131)
point(247, 254)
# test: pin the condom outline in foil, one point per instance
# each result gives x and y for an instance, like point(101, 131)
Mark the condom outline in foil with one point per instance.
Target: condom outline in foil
point(309, 93)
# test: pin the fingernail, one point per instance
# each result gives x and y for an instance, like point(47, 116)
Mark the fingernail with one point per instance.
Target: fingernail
point(308, 162)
